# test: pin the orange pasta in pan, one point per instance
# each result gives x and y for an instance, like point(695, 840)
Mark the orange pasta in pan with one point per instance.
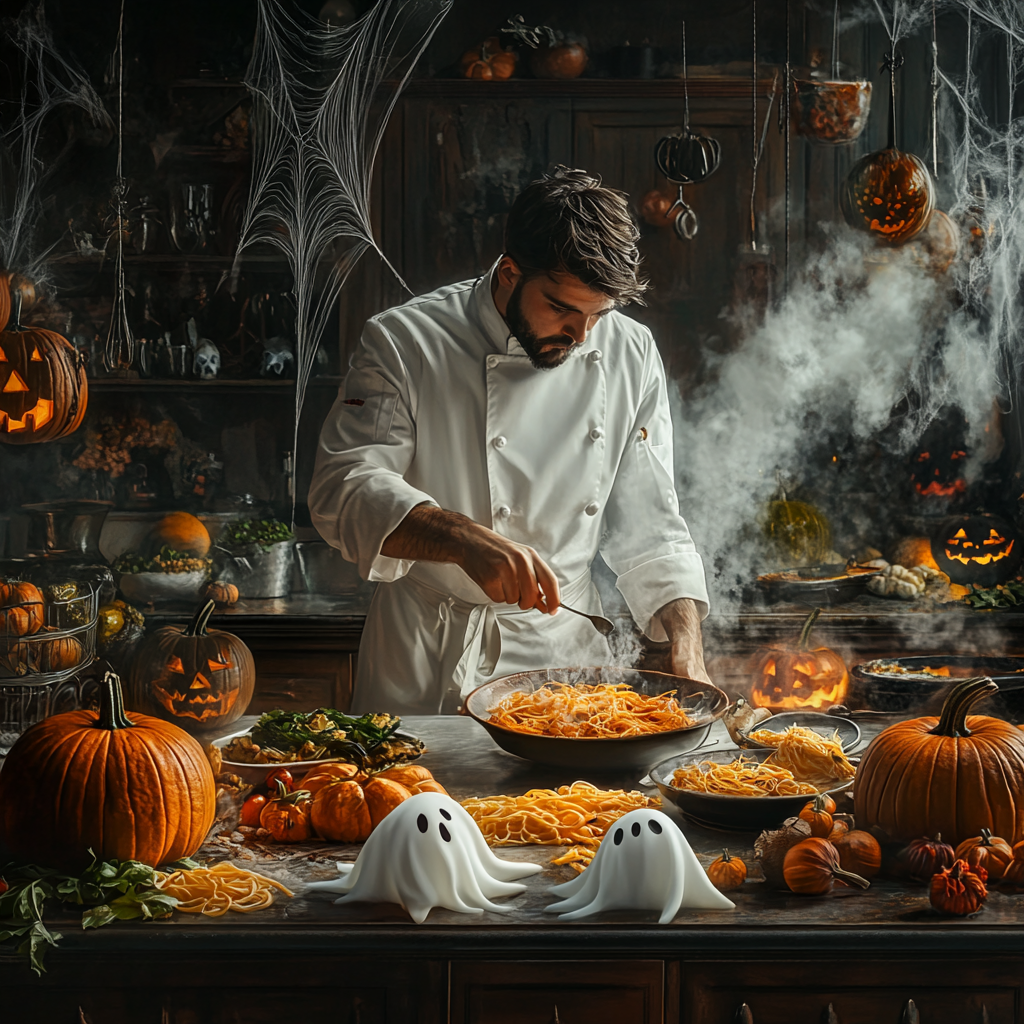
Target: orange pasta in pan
point(589, 711)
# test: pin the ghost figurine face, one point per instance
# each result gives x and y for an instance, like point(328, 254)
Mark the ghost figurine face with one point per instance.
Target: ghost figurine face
point(643, 863)
point(428, 852)
point(206, 364)
point(278, 358)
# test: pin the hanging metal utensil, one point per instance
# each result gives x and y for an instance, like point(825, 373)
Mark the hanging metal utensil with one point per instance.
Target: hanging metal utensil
point(686, 159)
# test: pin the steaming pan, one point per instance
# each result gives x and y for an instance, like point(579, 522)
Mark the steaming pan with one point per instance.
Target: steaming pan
point(824, 725)
point(815, 584)
point(729, 813)
point(882, 686)
point(702, 701)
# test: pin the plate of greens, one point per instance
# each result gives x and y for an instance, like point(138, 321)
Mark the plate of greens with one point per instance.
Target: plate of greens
point(302, 739)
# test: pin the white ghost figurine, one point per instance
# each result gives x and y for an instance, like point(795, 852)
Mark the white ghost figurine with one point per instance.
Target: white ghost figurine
point(643, 863)
point(206, 362)
point(428, 852)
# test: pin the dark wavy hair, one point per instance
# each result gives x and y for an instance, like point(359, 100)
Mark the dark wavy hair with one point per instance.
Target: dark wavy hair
point(568, 222)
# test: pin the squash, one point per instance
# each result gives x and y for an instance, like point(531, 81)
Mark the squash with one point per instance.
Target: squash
point(1014, 873)
point(958, 889)
point(348, 810)
point(771, 847)
point(955, 775)
point(813, 865)
point(21, 608)
point(727, 872)
point(414, 777)
point(181, 531)
point(126, 787)
point(924, 857)
point(986, 851)
point(221, 593)
point(817, 816)
point(859, 852)
point(287, 816)
point(488, 61)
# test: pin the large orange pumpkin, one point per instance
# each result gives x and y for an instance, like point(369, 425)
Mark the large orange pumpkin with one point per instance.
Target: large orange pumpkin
point(181, 531)
point(954, 774)
point(43, 388)
point(348, 810)
point(797, 675)
point(200, 679)
point(124, 786)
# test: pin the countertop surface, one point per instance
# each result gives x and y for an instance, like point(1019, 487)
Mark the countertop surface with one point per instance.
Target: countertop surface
point(465, 759)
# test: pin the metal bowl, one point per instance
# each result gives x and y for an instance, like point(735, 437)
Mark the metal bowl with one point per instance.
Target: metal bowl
point(703, 701)
point(155, 587)
point(824, 725)
point(729, 813)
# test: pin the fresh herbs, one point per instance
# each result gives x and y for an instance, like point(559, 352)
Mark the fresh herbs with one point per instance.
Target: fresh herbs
point(167, 560)
point(331, 732)
point(1003, 595)
point(110, 890)
point(264, 533)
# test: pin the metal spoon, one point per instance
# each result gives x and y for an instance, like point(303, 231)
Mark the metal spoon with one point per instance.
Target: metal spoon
point(604, 626)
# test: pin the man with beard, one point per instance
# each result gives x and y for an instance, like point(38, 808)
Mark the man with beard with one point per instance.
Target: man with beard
point(491, 438)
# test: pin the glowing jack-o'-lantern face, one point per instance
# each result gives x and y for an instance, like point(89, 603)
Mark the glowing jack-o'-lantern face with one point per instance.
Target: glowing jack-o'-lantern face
point(197, 678)
point(982, 549)
point(43, 390)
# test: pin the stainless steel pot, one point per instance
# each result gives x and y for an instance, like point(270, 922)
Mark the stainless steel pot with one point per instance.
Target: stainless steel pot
point(258, 573)
point(69, 529)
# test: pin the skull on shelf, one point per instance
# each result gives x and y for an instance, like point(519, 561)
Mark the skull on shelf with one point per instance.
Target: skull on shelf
point(206, 364)
point(278, 358)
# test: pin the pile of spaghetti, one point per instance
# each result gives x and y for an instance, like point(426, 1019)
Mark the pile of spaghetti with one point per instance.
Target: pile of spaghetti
point(742, 777)
point(214, 891)
point(589, 711)
point(580, 813)
point(810, 756)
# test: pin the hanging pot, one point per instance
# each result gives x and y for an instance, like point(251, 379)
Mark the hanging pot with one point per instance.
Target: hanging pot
point(833, 113)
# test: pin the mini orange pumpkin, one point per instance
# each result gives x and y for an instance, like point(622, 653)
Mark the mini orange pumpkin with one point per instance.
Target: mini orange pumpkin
point(859, 852)
point(813, 865)
point(727, 872)
point(334, 771)
point(1014, 873)
point(986, 851)
point(21, 608)
point(414, 777)
point(287, 816)
point(958, 889)
point(817, 816)
point(795, 675)
point(347, 810)
point(488, 61)
point(221, 593)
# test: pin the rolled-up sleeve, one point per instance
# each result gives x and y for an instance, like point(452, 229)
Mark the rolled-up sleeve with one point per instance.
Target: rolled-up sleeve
point(647, 543)
point(358, 495)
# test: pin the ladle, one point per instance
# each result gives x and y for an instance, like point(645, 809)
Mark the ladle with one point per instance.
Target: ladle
point(604, 626)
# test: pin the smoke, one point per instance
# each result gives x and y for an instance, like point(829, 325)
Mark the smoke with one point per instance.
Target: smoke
point(869, 348)
point(50, 81)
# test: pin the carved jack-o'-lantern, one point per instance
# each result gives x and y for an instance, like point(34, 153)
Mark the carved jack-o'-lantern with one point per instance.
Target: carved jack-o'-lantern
point(197, 678)
point(981, 549)
point(796, 675)
point(43, 389)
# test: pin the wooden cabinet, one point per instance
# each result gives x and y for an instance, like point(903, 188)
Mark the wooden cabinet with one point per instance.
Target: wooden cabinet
point(301, 680)
point(553, 992)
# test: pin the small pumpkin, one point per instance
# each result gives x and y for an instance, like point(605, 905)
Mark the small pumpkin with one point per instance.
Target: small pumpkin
point(839, 828)
point(795, 532)
point(332, 771)
point(982, 549)
point(221, 593)
point(953, 774)
point(60, 653)
point(924, 857)
point(5, 298)
point(287, 817)
point(771, 847)
point(986, 851)
point(1014, 873)
point(488, 61)
point(859, 852)
point(21, 608)
point(813, 865)
point(958, 889)
point(414, 777)
point(562, 61)
point(348, 810)
point(727, 872)
point(817, 816)
point(202, 679)
point(795, 674)
point(181, 531)
point(122, 786)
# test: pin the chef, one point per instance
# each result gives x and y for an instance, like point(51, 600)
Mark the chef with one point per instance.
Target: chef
point(489, 440)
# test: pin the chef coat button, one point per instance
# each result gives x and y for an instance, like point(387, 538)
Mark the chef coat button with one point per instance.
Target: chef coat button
point(596, 434)
point(595, 356)
point(592, 509)
point(492, 362)
point(504, 511)
point(500, 442)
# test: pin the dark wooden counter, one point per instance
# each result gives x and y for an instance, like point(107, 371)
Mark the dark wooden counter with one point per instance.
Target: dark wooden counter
point(787, 956)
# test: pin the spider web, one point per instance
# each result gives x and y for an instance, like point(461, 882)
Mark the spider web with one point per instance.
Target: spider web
point(322, 97)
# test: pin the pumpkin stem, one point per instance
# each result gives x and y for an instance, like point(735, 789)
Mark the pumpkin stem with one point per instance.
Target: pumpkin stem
point(804, 643)
point(14, 320)
point(850, 878)
point(112, 714)
point(725, 857)
point(960, 700)
point(197, 627)
point(986, 837)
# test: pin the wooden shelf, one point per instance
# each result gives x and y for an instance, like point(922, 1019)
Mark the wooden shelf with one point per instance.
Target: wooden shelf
point(585, 88)
point(114, 385)
point(168, 261)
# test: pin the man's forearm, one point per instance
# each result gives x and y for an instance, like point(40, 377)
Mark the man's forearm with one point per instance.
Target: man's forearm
point(428, 534)
point(680, 619)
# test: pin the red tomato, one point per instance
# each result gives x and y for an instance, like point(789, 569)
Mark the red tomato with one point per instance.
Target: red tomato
point(3, 887)
point(284, 775)
point(251, 810)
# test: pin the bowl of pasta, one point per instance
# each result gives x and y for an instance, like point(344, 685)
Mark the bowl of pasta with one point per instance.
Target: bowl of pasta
point(598, 719)
point(750, 790)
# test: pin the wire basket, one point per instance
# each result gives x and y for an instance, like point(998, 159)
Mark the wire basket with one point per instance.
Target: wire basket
point(37, 671)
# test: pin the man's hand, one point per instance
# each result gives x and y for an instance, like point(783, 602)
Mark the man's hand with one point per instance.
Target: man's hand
point(507, 572)
point(681, 621)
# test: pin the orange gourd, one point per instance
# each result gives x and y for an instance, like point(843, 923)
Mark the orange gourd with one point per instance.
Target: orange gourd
point(1014, 873)
point(986, 851)
point(817, 817)
point(859, 852)
point(813, 865)
point(348, 810)
point(415, 778)
point(488, 61)
point(21, 608)
point(119, 785)
point(954, 774)
point(727, 872)
point(958, 889)
point(221, 593)
point(334, 771)
point(287, 816)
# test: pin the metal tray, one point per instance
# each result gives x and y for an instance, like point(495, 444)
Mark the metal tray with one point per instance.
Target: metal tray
point(729, 813)
point(704, 701)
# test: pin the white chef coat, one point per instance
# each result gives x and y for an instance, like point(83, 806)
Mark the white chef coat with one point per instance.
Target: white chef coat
point(442, 405)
